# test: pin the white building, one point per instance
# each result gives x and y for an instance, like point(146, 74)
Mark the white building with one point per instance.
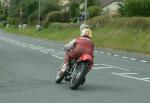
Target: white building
point(63, 2)
point(5, 2)
point(110, 6)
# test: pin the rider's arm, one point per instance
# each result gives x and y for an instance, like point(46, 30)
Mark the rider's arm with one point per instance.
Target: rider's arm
point(70, 45)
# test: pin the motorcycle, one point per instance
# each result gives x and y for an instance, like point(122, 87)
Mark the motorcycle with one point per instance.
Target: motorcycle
point(75, 72)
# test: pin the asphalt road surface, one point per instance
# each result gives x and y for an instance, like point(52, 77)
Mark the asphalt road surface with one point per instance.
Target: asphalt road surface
point(28, 69)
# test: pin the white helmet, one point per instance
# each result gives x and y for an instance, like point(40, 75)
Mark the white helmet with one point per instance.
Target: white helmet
point(83, 26)
point(86, 32)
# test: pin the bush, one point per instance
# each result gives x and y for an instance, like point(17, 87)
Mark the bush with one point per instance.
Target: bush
point(63, 25)
point(74, 20)
point(135, 8)
point(136, 23)
point(12, 20)
point(74, 9)
point(139, 23)
point(56, 16)
point(94, 11)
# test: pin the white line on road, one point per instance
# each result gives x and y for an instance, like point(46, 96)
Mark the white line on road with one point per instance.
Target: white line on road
point(109, 54)
point(48, 42)
point(96, 51)
point(128, 73)
point(143, 61)
point(50, 50)
point(96, 64)
point(61, 52)
point(44, 51)
point(145, 79)
point(102, 52)
point(105, 66)
point(123, 75)
point(115, 55)
point(57, 56)
point(114, 67)
point(125, 57)
point(133, 59)
point(98, 68)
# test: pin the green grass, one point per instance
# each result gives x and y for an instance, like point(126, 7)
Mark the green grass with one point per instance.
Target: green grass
point(128, 34)
point(123, 39)
point(57, 34)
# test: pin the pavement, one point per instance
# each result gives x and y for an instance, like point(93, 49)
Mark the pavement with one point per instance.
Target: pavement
point(28, 68)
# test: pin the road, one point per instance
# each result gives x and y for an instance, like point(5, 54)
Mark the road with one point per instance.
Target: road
point(28, 68)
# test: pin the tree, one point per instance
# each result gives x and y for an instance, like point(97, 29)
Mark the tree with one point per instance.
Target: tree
point(30, 9)
point(92, 2)
point(3, 13)
point(135, 8)
point(74, 9)
point(94, 11)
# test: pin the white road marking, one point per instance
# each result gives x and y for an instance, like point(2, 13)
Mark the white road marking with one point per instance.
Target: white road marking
point(105, 66)
point(108, 54)
point(143, 61)
point(116, 67)
point(125, 57)
point(57, 56)
point(48, 42)
point(98, 68)
point(96, 51)
point(115, 55)
point(102, 52)
point(133, 59)
point(128, 73)
point(31, 46)
point(145, 78)
point(24, 45)
point(97, 64)
point(50, 50)
point(131, 77)
point(61, 52)
point(44, 51)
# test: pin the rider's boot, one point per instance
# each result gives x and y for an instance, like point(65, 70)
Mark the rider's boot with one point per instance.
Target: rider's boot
point(67, 78)
point(64, 67)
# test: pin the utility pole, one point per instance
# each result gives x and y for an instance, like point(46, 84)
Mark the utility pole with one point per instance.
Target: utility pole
point(85, 18)
point(38, 26)
point(21, 14)
point(39, 13)
point(8, 4)
point(83, 26)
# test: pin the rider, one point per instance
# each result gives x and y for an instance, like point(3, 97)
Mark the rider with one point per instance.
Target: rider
point(80, 45)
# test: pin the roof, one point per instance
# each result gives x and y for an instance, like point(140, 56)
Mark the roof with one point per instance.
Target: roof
point(63, 2)
point(107, 2)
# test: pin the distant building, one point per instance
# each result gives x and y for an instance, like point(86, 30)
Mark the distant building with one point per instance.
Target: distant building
point(5, 2)
point(110, 6)
point(63, 2)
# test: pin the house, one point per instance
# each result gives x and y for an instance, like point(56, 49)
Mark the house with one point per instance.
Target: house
point(5, 2)
point(110, 6)
point(63, 2)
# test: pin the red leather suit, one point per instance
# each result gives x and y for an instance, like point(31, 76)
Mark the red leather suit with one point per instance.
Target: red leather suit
point(81, 45)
